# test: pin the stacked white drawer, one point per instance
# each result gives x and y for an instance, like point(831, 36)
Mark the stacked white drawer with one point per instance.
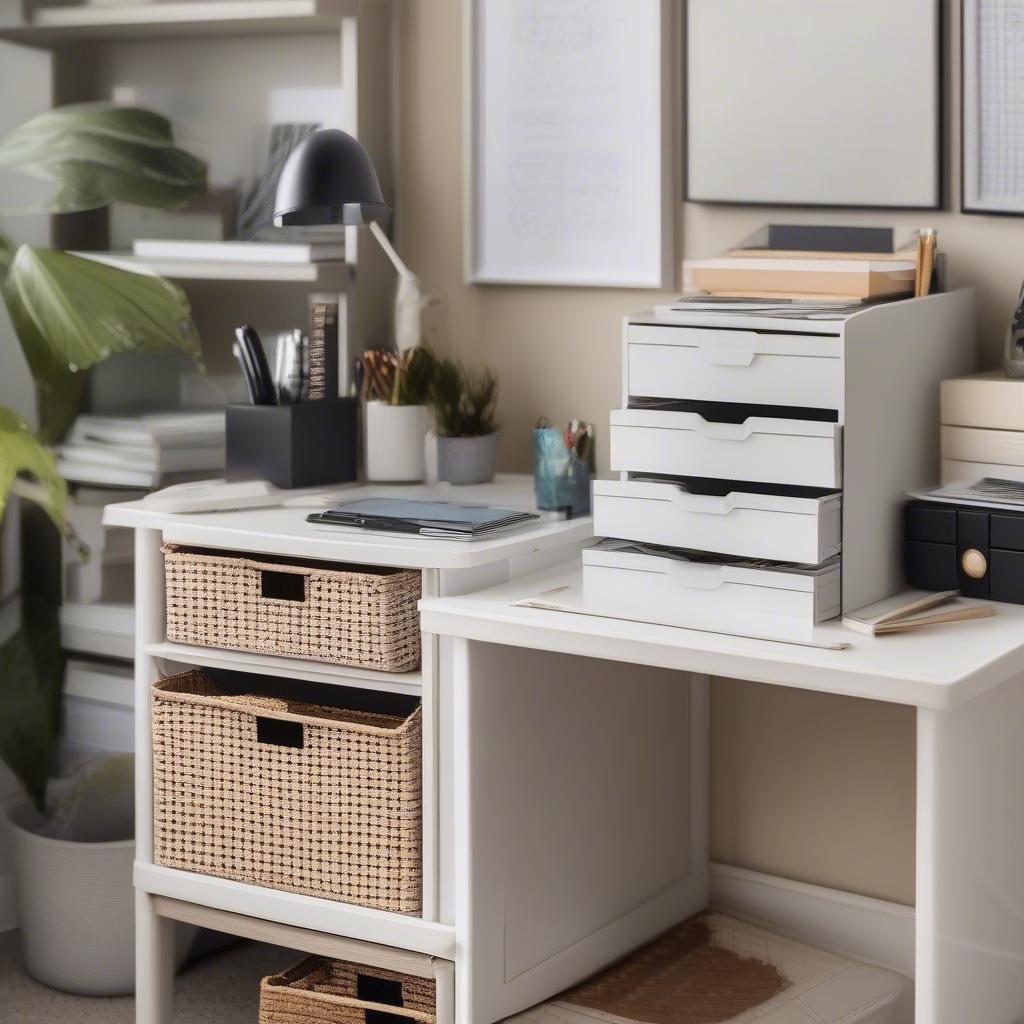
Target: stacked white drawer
point(727, 514)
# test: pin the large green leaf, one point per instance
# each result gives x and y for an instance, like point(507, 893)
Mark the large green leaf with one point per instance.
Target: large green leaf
point(70, 313)
point(31, 676)
point(99, 153)
point(25, 458)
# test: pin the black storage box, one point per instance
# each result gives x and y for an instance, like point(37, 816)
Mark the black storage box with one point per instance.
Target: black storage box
point(303, 445)
point(969, 548)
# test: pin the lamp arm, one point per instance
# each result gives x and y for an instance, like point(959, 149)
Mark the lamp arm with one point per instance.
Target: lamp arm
point(389, 250)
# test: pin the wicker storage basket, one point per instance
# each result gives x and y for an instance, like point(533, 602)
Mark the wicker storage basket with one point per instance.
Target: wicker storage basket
point(346, 615)
point(319, 991)
point(293, 796)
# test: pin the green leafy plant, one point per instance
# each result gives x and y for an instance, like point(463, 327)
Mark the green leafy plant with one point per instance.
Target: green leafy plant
point(464, 401)
point(70, 313)
point(414, 377)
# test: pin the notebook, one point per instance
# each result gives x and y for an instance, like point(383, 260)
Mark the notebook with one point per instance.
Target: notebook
point(450, 520)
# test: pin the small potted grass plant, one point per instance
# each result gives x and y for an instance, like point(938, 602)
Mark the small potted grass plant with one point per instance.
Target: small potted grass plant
point(72, 838)
point(396, 389)
point(464, 402)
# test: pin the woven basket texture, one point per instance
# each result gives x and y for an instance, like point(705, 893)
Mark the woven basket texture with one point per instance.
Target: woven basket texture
point(680, 978)
point(339, 817)
point(320, 991)
point(345, 615)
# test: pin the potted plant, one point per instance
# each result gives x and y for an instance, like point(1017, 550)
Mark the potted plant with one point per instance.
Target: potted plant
point(73, 839)
point(464, 404)
point(396, 389)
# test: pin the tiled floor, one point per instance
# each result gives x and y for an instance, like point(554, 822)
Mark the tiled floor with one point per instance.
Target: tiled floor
point(222, 988)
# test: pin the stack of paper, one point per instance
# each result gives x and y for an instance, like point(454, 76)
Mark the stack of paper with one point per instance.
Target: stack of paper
point(143, 451)
point(912, 609)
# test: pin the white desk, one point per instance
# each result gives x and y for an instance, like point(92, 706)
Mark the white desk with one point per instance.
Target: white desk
point(311, 924)
point(581, 805)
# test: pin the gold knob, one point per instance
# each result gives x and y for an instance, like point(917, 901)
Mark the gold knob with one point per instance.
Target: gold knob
point(974, 563)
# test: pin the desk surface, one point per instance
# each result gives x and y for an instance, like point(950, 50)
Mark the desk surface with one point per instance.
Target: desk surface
point(283, 530)
point(937, 668)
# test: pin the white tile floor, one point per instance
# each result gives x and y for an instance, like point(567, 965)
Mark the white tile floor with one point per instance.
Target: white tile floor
point(222, 988)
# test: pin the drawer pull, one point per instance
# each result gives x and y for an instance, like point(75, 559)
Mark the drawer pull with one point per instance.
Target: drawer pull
point(697, 577)
point(702, 504)
point(724, 431)
point(974, 564)
point(727, 355)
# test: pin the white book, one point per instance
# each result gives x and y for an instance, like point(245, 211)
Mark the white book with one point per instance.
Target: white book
point(161, 430)
point(151, 460)
point(239, 252)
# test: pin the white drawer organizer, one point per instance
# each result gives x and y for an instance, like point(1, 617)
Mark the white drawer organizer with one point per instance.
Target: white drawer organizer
point(771, 438)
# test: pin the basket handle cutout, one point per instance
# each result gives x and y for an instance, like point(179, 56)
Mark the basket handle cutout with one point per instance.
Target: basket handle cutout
point(280, 733)
point(382, 1017)
point(386, 991)
point(282, 586)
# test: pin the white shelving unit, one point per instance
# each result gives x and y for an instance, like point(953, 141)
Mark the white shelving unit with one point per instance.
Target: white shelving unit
point(49, 26)
point(447, 568)
point(328, 275)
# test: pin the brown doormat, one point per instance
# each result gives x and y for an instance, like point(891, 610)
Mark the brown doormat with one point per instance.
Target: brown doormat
point(680, 978)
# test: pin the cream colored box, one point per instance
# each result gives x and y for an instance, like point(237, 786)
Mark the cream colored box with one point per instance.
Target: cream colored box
point(989, 399)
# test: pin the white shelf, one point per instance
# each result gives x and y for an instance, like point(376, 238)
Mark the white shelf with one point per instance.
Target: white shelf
point(106, 628)
point(306, 912)
point(51, 25)
point(326, 274)
point(410, 683)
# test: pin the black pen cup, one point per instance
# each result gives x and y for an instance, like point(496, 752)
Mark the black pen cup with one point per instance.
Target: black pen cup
point(302, 445)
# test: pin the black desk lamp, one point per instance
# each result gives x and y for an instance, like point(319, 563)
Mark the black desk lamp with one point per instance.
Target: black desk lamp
point(328, 179)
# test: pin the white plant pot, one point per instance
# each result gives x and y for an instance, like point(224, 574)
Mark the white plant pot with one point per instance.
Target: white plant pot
point(467, 460)
point(76, 909)
point(395, 449)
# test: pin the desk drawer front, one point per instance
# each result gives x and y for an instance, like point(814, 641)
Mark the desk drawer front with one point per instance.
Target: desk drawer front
point(733, 366)
point(781, 528)
point(798, 452)
point(723, 598)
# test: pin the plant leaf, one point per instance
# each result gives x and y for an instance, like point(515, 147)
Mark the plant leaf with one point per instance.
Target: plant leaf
point(23, 455)
point(70, 313)
point(31, 677)
point(99, 153)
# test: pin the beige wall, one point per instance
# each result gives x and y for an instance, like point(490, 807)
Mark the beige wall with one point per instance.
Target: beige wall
point(557, 353)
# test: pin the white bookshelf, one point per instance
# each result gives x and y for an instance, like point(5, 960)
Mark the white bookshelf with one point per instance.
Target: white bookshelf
point(51, 26)
point(102, 628)
point(329, 274)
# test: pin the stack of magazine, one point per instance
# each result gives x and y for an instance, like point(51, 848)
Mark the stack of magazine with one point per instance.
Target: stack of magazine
point(449, 520)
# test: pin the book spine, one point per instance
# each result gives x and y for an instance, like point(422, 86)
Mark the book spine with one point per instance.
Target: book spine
point(323, 348)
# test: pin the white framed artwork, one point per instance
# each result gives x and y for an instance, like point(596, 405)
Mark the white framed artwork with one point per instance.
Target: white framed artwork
point(992, 156)
point(570, 171)
point(812, 103)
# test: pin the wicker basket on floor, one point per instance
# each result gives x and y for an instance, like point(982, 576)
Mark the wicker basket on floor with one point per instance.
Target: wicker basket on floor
point(293, 796)
point(319, 991)
point(346, 615)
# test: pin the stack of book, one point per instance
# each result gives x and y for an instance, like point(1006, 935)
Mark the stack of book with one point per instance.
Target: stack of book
point(802, 269)
point(143, 451)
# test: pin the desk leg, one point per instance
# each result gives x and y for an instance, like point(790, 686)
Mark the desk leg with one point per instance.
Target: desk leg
point(154, 964)
point(970, 860)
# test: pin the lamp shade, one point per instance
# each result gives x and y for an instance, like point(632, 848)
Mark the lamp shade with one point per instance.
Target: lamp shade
point(328, 179)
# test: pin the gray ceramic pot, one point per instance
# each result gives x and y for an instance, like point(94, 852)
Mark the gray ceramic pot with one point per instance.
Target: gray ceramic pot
point(467, 460)
point(76, 909)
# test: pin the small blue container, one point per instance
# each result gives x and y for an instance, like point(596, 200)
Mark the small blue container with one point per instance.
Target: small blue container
point(561, 482)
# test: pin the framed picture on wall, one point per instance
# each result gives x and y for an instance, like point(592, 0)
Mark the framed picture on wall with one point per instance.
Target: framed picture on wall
point(805, 103)
point(992, 57)
point(570, 172)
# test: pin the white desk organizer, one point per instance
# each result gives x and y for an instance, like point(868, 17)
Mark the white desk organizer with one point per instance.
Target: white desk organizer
point(830, 422)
